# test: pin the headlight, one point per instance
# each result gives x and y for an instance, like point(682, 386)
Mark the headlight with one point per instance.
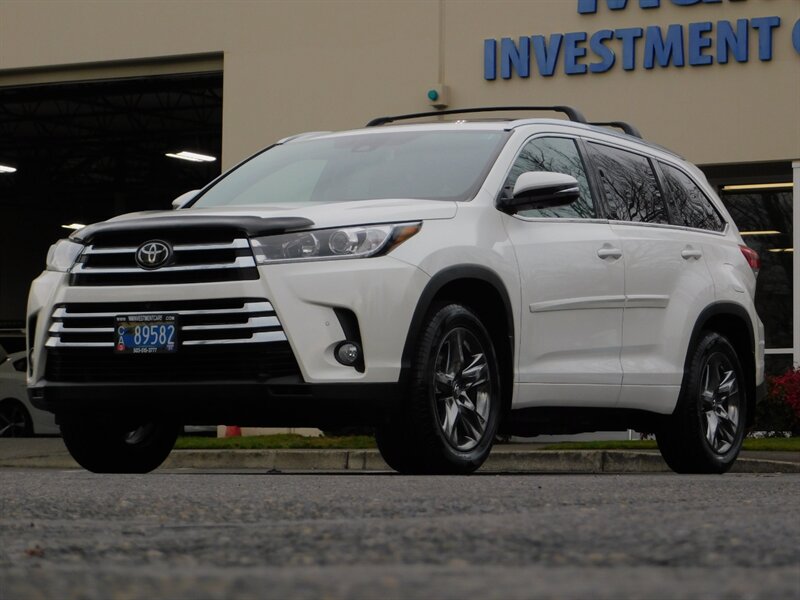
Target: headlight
point(329, 244)
point(62, 255)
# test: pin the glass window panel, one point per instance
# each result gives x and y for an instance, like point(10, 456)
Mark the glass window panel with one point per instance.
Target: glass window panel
point(554, 155)
point(377, 165)
point(689, 206)
point(629, 185)
point(765, 221)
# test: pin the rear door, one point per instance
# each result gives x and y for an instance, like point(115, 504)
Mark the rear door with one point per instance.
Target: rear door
point(667, 282)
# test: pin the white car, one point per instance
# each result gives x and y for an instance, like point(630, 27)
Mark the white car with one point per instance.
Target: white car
point(441, 281)
point(18, 418)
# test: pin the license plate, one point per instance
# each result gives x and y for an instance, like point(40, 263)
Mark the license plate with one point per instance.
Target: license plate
point(146, 334)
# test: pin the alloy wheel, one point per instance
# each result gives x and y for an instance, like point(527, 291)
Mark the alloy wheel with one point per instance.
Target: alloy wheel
point(463, 389)
point(720, 399)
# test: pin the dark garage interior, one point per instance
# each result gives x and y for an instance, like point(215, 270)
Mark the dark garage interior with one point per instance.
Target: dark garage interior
point(87, 151)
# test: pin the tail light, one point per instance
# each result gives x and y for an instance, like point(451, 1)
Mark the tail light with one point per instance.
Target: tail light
point(752, 258)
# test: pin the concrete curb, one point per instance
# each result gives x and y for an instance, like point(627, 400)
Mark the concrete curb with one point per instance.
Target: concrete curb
point(505, 461)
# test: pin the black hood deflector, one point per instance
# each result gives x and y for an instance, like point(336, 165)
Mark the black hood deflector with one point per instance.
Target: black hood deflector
point(248, 225)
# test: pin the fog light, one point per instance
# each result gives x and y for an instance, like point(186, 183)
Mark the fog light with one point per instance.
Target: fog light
point(347, 353)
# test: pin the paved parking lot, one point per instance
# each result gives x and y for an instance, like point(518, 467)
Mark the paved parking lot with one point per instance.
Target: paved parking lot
point(190, 534)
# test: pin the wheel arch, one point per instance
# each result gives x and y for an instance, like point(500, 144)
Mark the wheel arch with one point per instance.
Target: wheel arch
point(481, 290)
point(732, 321)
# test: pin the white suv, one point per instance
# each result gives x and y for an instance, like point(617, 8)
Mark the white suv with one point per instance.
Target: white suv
point(442, 282)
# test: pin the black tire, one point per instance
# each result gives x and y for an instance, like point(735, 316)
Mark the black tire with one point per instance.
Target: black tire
point(706, 431)
point(104, 446)
point(15, 420)
point(395, 448)
point(450, 420)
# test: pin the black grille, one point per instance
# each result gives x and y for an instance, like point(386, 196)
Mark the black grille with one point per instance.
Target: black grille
point(218, 363)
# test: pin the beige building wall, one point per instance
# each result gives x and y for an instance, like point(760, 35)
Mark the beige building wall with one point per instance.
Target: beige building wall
point(292, 66)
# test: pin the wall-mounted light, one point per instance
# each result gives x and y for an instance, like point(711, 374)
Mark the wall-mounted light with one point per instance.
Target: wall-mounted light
point(777, 250)
point(764, 232)
point(192, 156)
point(7, 169)
point(74, 226)
point(751, 187)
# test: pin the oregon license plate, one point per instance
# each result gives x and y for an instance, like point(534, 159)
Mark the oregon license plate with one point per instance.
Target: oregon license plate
point(146, 334)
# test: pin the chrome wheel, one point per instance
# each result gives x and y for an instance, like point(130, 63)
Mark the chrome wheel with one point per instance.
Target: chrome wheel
point(720, 401)
point(463, 389)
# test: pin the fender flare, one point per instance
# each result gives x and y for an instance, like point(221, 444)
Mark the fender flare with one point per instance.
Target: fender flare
point(433, 287)
point(740, 312)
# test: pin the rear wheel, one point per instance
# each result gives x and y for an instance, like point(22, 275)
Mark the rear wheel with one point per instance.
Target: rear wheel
point(451, 418)
point(706, 432)
point(104, 446)
point(15, 420)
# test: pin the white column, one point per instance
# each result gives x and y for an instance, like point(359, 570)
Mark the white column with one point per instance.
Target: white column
point(796, 264)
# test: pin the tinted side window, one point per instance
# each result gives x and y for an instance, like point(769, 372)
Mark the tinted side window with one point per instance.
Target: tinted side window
point(688, 204)
point(554, 155)
point(629, 185)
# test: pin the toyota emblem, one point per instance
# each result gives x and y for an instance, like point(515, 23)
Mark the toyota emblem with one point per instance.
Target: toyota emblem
point(153, 254)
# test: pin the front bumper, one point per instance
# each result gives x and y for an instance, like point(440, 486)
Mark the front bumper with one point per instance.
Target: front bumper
point(281, 402)
point(381, 293)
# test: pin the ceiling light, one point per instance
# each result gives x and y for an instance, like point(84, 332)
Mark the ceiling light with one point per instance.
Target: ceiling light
point(7, 169)
point(765, 232)
point(781, 249)
point(755, 186)
point(74, 226)
point(192, 156)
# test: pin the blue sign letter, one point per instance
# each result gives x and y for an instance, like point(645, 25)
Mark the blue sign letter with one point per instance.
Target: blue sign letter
point(589, 7)
point(796, 36)
point(512, 57)
point(572, 52)
point(727, 40)
point(764, 26)
point(663, 49)
point(546, 53)
point(699, 42)
point(490, 60)
point(629, 37)
point(603, 52)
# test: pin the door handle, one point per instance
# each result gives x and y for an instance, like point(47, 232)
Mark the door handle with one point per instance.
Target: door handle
point(609, 252)
point(690, 252)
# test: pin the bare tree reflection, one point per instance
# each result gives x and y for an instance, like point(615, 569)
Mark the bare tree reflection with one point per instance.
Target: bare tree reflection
point(689, 205)
point(555, 155)
point(629, 186)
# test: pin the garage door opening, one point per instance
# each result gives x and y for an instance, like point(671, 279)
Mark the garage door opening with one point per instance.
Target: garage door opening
point(78, 153)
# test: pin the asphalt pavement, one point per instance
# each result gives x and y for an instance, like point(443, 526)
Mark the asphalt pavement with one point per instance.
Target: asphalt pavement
point(248, 534)
point(505, 458)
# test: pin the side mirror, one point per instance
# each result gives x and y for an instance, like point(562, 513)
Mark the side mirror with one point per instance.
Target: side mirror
point(541, 189)
point(183, 199)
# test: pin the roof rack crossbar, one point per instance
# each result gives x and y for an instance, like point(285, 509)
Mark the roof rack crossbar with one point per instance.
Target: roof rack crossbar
point(572, 113)
point(626, 127)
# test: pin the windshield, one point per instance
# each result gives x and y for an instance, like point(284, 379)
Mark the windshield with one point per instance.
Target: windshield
point(435, 165)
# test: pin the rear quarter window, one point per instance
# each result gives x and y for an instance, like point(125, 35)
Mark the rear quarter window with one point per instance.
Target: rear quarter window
point(688, 205)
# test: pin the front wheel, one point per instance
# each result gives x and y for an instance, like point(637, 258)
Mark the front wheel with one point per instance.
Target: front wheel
point(450, 420)
point(706, 431)
point(106, 446)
